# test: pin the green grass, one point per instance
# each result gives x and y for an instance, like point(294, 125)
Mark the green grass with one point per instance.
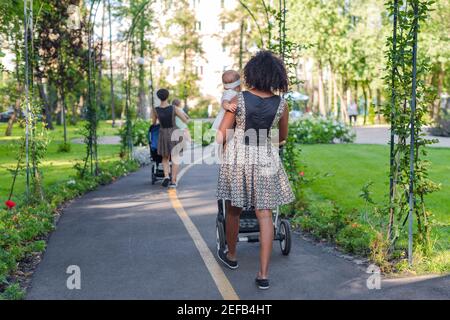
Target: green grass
point(352, 166)
point(73, 132)
point(56, 166)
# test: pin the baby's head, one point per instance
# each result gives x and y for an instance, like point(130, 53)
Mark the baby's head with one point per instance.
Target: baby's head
point(176, 103)
point(231, 80)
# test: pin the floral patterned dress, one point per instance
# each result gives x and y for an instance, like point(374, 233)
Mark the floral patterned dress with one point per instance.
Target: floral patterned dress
point(251, 175)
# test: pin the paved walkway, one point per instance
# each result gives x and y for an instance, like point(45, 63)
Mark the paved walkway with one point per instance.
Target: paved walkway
point(381, 135)
point(364, 135)
point(131, 243)
point(101, 140)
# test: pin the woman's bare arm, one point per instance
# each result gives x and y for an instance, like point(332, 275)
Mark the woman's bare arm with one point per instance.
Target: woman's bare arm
point(227, 124)
point(284, 125)
point(154, 117)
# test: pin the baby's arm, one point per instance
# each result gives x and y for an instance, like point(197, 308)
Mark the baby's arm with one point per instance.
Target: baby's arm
point(229, 101)
point(229, 106)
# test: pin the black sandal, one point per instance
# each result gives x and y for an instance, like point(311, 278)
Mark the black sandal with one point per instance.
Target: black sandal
point(262, 284)
point(222, 255)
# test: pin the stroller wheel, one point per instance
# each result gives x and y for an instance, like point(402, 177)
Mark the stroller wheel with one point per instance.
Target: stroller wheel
point(285, 234)
point(220, 236)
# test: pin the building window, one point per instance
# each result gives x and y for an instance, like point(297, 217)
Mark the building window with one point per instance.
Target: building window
point(198, 26)
point(223, 26)
point(201, 70)
point(222, 4)
point(224, 47)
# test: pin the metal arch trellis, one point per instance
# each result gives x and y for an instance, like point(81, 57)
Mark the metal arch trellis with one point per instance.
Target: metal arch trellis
point(282, 24)
point(91, 138)
point(28, 31)
point(282, 27)
point(412, 146)
point(28, 147)
point(252, 15)
point(404, 185)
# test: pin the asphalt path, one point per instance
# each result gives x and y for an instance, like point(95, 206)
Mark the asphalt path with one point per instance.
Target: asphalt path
point(132, 240)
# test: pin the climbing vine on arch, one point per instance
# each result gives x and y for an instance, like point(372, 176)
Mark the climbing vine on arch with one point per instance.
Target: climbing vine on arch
point(409, 101)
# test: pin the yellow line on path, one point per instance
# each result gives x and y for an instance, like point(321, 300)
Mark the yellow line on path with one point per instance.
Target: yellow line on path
point(219, 277)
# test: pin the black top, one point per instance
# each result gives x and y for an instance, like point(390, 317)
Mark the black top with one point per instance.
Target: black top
point(166, 116)
point(259, 115)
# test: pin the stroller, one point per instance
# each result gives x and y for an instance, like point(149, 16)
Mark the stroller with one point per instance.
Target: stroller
point(157, 171)
point(249, 228)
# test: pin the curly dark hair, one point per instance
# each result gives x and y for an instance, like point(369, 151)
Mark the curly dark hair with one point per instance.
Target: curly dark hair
point(266, 72)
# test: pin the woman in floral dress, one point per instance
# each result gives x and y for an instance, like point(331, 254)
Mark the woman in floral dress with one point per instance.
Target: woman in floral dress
point(252, 175)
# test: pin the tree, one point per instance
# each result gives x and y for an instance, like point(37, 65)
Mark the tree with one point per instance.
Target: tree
point(11, 17)
point(435, 42)
point(186, 44)
point(344, 41)
point(61, 59)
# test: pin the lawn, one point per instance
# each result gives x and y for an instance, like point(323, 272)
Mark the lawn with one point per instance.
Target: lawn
point(56, 166)
point(73, 132)
point(351, 166)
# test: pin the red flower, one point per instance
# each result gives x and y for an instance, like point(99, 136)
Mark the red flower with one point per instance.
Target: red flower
point(10, 204)
point(301, 173)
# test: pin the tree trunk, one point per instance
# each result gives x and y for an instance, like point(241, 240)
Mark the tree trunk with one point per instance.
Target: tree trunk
point(437, 103)
point(369, 90)
point(343, 101)
point(111, 76)
point(100, 67)
point(63, 113)
point(19, 90)
point(46, 102)
point(241, 45)
point(13, 118)
point(321, 93)
point(366, 103)
point(378, 106)
point(329, 105)
point(142, 96)
point(335, 96)
point(185, 93)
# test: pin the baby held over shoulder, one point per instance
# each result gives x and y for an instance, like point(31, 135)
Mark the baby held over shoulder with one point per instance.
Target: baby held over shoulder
point(232, 86)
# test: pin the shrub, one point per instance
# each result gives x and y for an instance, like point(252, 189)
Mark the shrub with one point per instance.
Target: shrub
point(139, 131)
point(314, 130)
point(356, 238)
point(323, 220)
point(198, 112)
point(206, 137)
point(64, 147)
point(22, 228)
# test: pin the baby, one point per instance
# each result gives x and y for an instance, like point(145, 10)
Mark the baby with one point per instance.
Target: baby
point(232, 84)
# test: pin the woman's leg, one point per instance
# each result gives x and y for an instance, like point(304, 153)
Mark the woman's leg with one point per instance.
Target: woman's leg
point(266, 240)
point(166, 167)
point(174, 171)
point(232, 229)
